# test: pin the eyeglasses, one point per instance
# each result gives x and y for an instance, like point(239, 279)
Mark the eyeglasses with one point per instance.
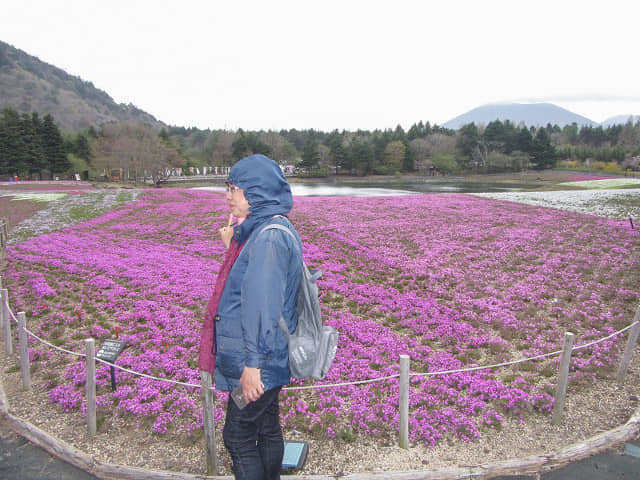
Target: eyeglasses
point(232, 188)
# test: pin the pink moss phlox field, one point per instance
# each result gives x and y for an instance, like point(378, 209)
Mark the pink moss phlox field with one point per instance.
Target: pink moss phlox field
point(453, 281)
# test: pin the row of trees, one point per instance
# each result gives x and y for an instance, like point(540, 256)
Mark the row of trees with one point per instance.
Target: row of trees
point(35, 148)
point(496, 147)
point(423, 148)
point(31, 146)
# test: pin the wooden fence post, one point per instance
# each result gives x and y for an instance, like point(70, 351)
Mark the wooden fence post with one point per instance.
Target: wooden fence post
point(8, 343)
point(90, 349)
point(2, 311)
point(209, 423)
point(404, 401)
point(563, 378)
point(23, 341)
point(634, 333)
point(4, 233)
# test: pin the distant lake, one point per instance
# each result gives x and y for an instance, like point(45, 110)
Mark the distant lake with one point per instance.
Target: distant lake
point(372, 189)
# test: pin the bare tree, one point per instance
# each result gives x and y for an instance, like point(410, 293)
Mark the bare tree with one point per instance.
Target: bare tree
point(324, 156)
point(138, 150)
point(424, 150)
point(630, 135)
point(440, 144)
point(480, 156)
point(421, 154)
point(221, 148)
point(281, 150)
point(394, 155)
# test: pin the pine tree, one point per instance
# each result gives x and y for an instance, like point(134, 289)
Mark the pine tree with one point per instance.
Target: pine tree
point(82, 148)
point(13, 150)
point(35, 159)
point(310, 153)
point(542, 151)
point(53, 146)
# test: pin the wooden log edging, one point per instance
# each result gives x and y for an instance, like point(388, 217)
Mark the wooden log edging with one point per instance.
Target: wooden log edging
point(533, 464)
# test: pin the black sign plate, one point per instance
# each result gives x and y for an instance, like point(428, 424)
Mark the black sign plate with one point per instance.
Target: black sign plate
point(110, 350)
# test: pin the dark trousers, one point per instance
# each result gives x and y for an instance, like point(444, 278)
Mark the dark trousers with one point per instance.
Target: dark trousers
point(253, 438)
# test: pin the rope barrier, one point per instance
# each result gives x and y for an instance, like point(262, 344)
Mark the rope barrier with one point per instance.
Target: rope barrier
point(328, 385)
point(332, 385)
point(522, 360)
point(166, 380)
point(55, 347)
point(6, 302)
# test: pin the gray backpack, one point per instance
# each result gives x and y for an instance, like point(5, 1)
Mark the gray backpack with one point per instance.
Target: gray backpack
point(313, 346)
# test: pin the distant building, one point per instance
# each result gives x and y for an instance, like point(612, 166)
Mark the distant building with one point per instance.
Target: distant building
point(288, 169)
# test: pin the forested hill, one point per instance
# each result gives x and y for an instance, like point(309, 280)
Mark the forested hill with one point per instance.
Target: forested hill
point(28, 84)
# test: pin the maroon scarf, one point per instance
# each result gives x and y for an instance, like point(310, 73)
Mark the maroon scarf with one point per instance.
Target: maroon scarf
point(207, 357)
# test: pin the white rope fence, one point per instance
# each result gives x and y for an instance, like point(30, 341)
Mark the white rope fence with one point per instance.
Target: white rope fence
point(342, 384)
point(6, 315)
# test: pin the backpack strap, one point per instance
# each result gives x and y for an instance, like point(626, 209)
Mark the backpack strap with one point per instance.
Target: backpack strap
point(277, 226)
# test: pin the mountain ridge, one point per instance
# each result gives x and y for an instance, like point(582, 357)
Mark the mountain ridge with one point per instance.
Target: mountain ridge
point(531, 114)
point(27, 84)
point(620, 120)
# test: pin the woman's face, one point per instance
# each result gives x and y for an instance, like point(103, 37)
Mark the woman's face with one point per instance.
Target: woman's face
point(237, 203)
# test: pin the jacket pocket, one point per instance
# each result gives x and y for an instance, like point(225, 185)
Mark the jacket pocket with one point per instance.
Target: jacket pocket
point(230, 356)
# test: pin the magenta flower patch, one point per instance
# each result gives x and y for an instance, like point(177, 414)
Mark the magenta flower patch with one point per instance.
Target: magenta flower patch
point(453, 281)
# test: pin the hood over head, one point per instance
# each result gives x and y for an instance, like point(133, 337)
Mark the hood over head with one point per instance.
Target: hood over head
point(265, 188)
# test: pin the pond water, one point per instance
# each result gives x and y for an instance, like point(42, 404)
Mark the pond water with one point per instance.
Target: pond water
point(364, 189)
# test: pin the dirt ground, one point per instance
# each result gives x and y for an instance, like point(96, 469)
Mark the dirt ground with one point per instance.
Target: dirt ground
point(21, 460)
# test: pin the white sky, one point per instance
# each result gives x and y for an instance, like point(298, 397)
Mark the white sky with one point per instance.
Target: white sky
point(344, 64)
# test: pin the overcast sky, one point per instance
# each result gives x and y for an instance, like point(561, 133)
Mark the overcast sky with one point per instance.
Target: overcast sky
point(345, 64)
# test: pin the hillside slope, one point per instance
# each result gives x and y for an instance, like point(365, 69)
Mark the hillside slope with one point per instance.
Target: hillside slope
point(29, 85)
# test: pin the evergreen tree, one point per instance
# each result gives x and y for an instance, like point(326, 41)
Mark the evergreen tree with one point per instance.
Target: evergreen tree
point(399, 135)
point(379, 144)
point(53, 146)
point(248, 143)
point(510, 137)
point(494, 135)
point(13, 149)
point(543, 152)
point(338, 151)
point(416, 131)
point(81, 147)
point(362, 157)
point(524, 141)
point(408, 165)
point(592, 136)
point(571, 133)
point(35, 159)
point(310, 153)
point(468, 138)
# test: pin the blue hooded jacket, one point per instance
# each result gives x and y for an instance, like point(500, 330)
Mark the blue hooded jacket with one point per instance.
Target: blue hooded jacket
point(263, 282)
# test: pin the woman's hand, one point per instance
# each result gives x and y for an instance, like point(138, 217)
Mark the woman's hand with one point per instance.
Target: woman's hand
point(252, 387)
point(226, 233)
